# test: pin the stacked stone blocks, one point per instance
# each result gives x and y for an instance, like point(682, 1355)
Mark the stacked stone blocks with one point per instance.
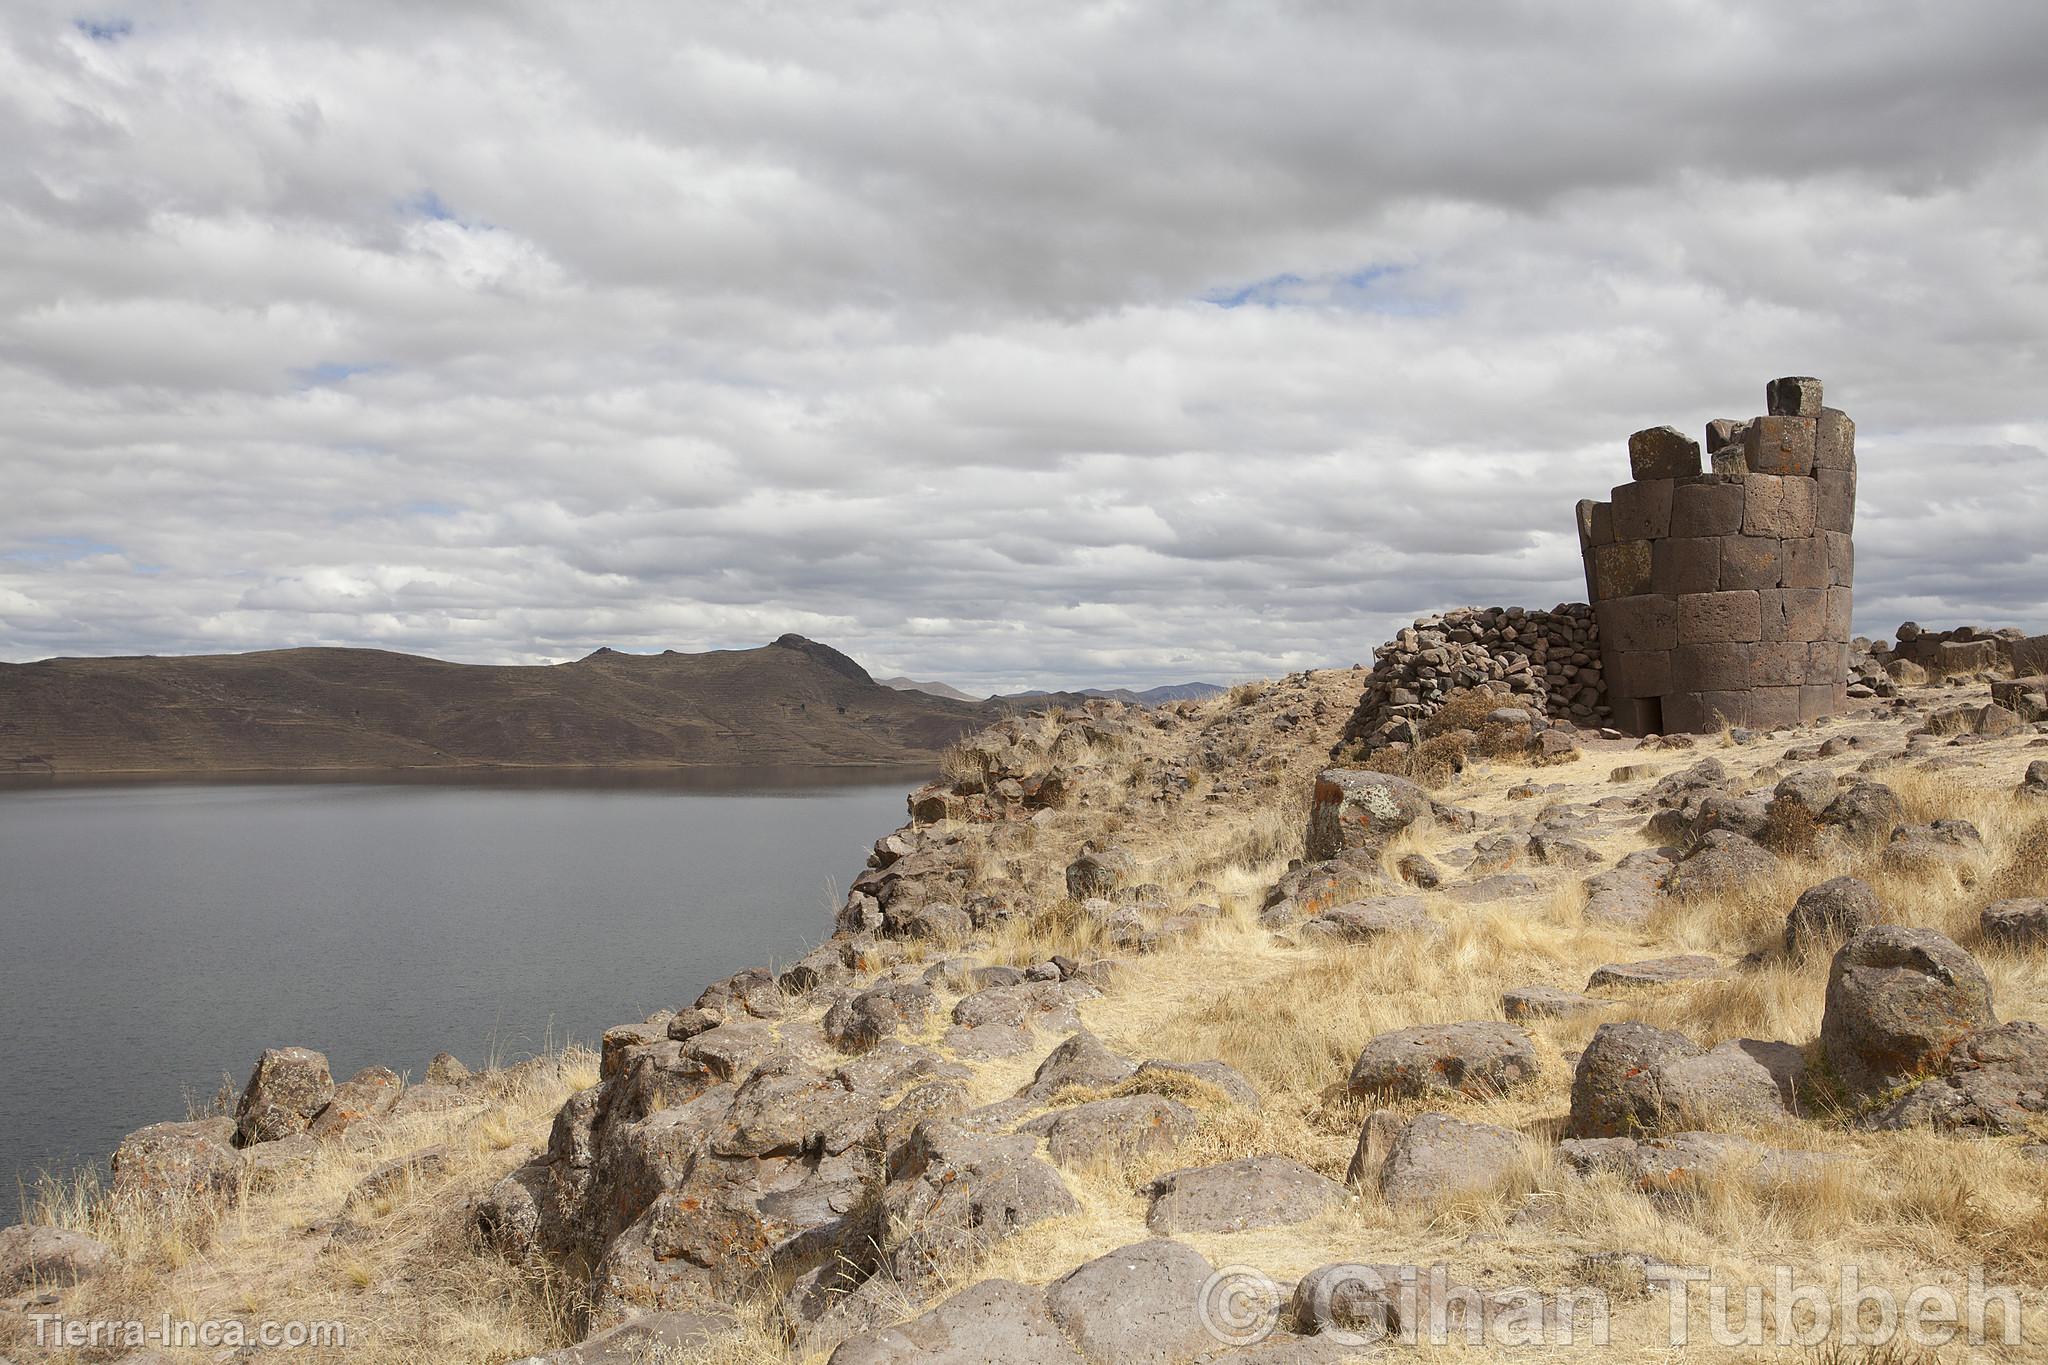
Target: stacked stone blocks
point(1723, 594)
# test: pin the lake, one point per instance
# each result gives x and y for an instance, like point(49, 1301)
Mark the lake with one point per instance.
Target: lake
point(156, 936)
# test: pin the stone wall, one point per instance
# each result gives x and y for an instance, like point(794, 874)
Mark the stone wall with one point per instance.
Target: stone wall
point(1548, 660)
point(1724, 594)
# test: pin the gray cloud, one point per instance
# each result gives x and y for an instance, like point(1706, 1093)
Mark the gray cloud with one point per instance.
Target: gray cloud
point(501, 332)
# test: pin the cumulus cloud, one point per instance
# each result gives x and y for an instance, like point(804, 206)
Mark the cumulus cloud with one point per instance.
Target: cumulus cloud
point(1008, 345)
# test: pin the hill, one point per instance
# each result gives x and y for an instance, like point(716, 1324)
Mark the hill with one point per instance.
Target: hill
point(1151, 696)
point(794, 701)
point(936, 689)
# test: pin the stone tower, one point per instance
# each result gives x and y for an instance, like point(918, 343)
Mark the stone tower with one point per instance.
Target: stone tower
point(1724, 595)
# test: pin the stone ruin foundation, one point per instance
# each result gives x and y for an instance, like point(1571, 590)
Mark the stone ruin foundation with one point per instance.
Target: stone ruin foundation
point(1723, 594)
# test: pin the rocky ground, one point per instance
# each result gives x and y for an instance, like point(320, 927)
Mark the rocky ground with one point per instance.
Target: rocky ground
point(1149, 1039)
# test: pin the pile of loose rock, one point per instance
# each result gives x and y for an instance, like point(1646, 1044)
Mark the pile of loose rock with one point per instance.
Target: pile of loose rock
point(1966, 651)
point(1549, 660)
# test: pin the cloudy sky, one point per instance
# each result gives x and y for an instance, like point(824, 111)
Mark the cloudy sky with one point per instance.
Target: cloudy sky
point(996, 343)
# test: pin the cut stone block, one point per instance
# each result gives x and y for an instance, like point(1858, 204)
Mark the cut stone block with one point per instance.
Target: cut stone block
point(1596, 522)
point(1642, 511)
point(1779, 445)
point(1637, 623)
point(1841, 558)
point(1772, 707)
point(1835, 494)
point(1834, 440)
point(1827, 662)
point(1706, 507)
point(1778, 664)
point(1689, 565)
point(1710, 668)
point(1639, 673)
point(1750, 562)
point(1794, 613)
point(1621, 569)
point(1805, 564)
point(1662, 453)
point(1707, 618)
point(1723, 432)
point(1794, 396)
point(1699, 713)
point(1840, 614)
point(1819, 700)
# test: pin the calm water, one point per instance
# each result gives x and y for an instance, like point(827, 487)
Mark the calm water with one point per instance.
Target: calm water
point(152, 937)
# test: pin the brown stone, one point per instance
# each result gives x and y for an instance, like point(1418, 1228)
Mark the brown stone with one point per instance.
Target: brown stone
point(1750, 562)
point(1621, 569)
point(1706, 618)
point(1706, 507)
point(1778, 664)
point(1805, 564)
point(1711, 668)
point(1794, 613)
point(1840, 614)
point(1835, 490)
point(1779, 445)
point(1819, 700)
point(1770, 707)
point(1662, 453)
point(1794, 396)
point(1637, 623)
point(1723, 432)
point(1688, 565)
point(1841, 558)
point(1827, 661)
point(1642, 510)
point(1596, 522)
point(1834, 440)
point(1639, 673)
point(1699, 713)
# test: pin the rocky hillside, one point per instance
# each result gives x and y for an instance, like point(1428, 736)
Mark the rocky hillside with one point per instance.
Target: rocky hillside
point(795, 701)
point(1151, 1037)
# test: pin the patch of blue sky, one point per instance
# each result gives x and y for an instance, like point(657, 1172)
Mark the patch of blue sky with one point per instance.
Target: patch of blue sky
point(59, 550)
point(1386, 289)
point(329, 374)
point(428, 204)
point(105, 30)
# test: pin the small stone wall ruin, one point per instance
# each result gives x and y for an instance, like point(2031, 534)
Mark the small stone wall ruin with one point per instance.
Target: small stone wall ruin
point(1723, 595)
point(1549, 661)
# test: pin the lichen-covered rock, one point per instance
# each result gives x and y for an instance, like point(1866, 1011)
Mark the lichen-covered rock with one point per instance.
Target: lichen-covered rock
point(1100, 871)
point(1254, 1192)
point(1614, 1090)
point(1836, 909)
point(644, 1337)
point(1362, 921)
point(1114, 1130)
point(1356, 809)
point(1081, 1062)
point(1865, 815)
point(1139, 1304)
point(1547, 1002)
point(169, 1162)
point(1477, 1057)
point(2016, 923)
point(1898, 1000)
point(1227, 1080)
point(1436, 1157)
point(370, 1094)
point(863, 1020)
point(1951, 846)
point(42, 1258)
point(1724, 864)
point(1655, 971)
point(446, 1069)
point(1994, 1082)
point(996, 1322)
point(952, 1193)
point(288, 1087)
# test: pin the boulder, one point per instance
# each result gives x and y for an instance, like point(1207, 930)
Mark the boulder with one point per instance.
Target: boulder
point(1501, 886)
point(1547, 1002)
point(860, 1021)
point(1356, 809)
point(446, 1069)
point(1081, 1062)
point(1139, 1305)
point(1951, 846)
point(1362, 921)
point(1655, 971)
point(1614, 1089)
point(1314, 887)
point(1437, 1157)
point(1724, 864)
point(1898, 1000)
point(169, 1162)
point(1114, 1130)
point(1865, 815)
point(1683, 1162)
point(952, 1193)
point(369, 1094)
point(1168, 1077)
point(37, 1258)
point(1993, 1082)
point(2016, 923)
point(1255, 1192)
point(288, 1087)
point(996, 1322)
point(1477, 1057)
point(1099, 871)
point(644, 1337)
point(1834, 910)
point(1628, 892)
